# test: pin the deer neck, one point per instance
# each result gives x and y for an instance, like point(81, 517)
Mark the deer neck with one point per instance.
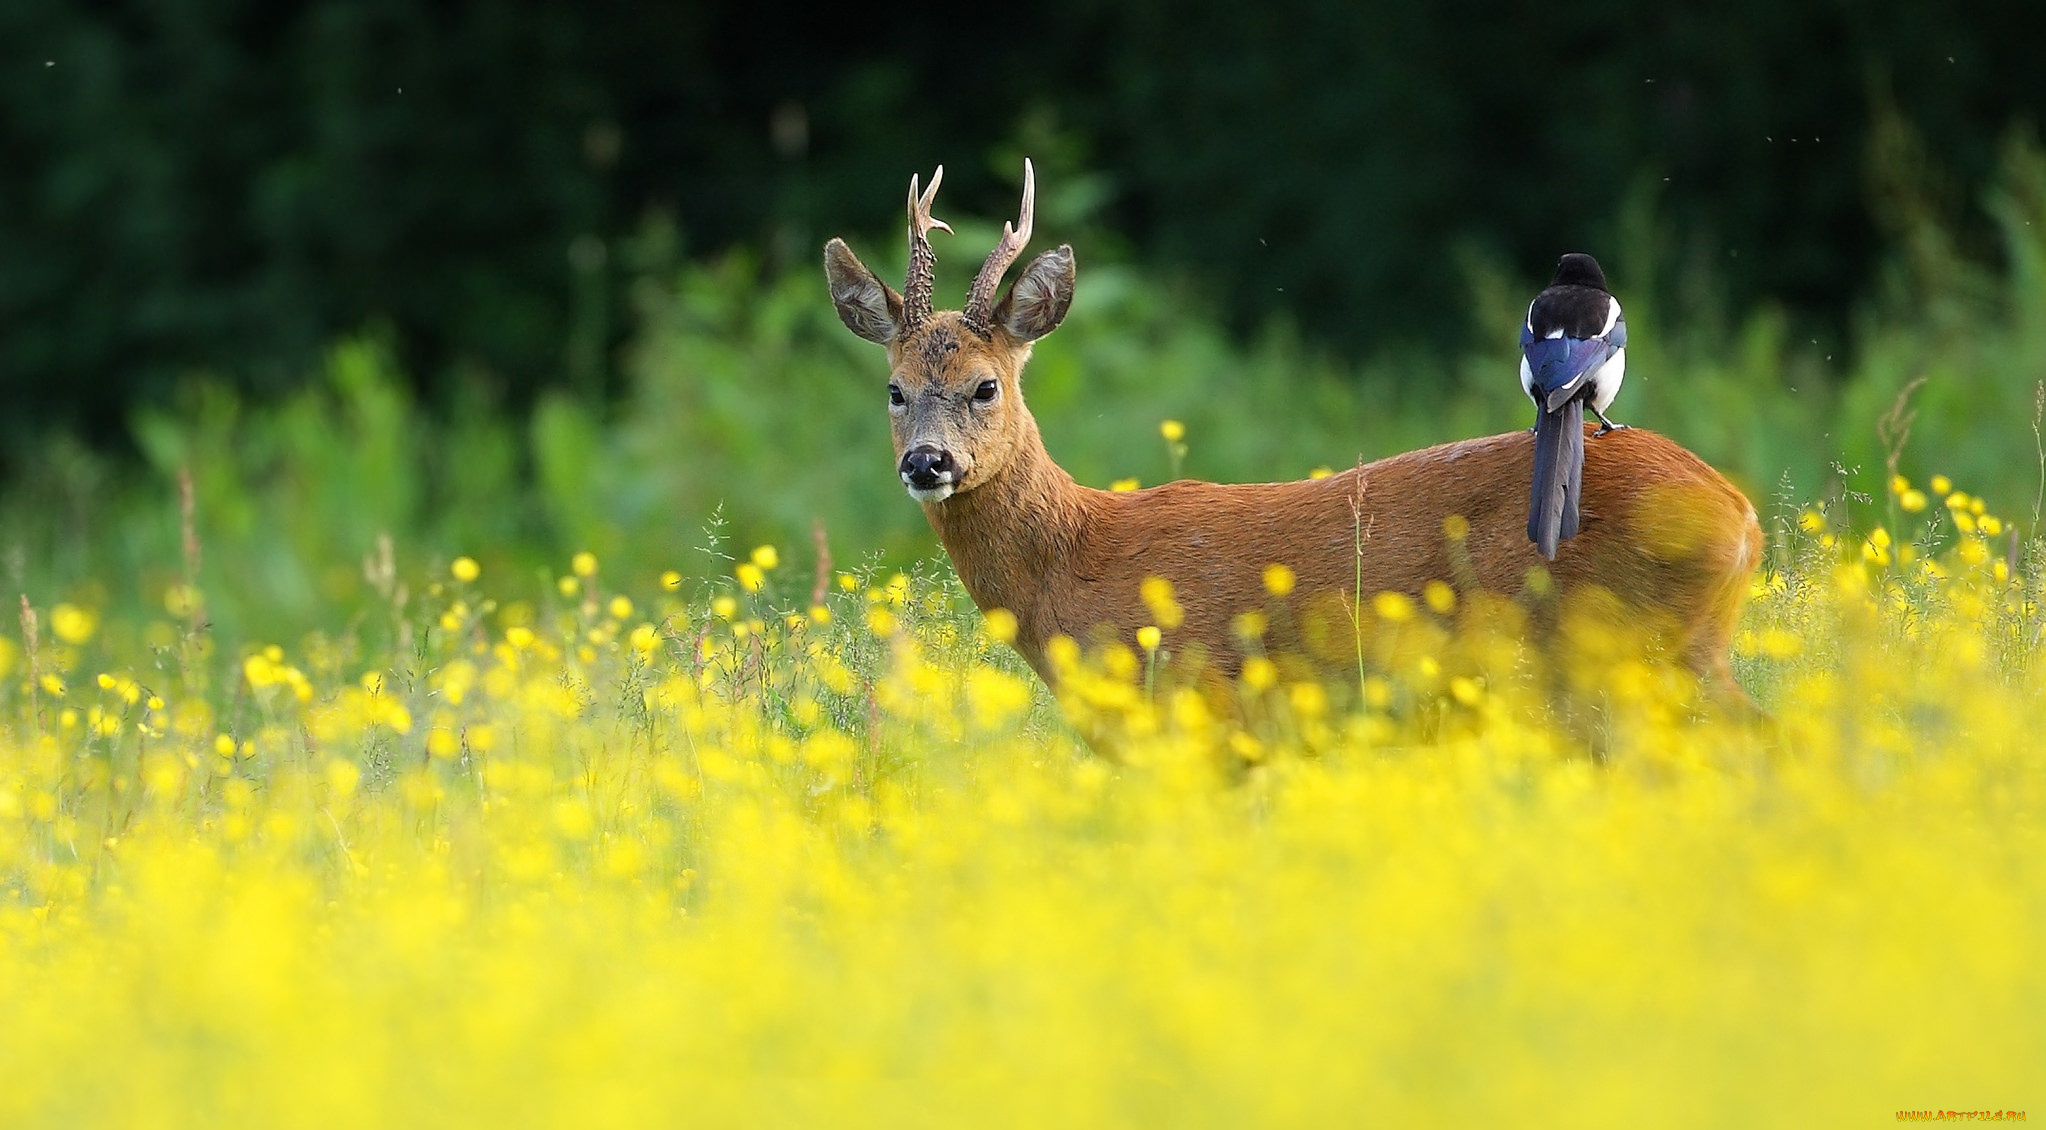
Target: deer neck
point(1012, 533)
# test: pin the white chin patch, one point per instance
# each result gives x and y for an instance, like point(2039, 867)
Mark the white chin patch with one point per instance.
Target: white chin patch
point(938, 493)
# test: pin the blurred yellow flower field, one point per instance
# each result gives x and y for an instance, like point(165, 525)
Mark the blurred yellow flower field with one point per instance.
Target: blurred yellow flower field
point(818, 851)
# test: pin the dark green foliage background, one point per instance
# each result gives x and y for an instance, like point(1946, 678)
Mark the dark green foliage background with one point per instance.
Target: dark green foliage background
point(231, 184)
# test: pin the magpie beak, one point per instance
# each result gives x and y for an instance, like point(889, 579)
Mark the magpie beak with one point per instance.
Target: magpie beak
point(1574, 356)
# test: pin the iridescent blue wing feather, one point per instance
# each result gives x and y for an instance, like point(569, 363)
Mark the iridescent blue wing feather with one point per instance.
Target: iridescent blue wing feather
point(1560, 365)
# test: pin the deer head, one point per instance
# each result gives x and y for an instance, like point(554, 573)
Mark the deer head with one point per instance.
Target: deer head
point(955, 396)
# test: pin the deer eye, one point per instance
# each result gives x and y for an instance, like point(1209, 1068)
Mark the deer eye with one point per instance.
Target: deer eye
point(987, 390)
point(895, 394)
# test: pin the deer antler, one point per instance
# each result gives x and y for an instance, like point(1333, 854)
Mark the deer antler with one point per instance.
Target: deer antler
point(923, 262)
point(979, 314)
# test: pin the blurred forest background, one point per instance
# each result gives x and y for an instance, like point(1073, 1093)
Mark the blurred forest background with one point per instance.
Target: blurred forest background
point(515, 279)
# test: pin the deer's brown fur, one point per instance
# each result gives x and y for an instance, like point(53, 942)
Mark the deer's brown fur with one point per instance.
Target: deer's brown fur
point(1670, 539)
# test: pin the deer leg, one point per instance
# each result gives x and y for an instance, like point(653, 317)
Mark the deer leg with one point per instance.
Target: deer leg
point(1706, 658)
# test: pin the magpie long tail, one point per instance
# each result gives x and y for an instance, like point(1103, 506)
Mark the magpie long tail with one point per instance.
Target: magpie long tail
point(1558, 477)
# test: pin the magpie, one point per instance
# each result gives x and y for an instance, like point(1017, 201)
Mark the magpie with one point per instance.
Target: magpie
point(1574, 347)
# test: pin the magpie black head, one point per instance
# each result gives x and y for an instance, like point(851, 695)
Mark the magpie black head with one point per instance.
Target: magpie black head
point(1578, 269)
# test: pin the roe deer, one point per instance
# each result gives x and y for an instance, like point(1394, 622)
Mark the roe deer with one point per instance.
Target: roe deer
point(1669, 539)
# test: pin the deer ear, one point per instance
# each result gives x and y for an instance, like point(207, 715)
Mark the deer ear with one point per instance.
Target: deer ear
point(867, 306)
point(1038, 300)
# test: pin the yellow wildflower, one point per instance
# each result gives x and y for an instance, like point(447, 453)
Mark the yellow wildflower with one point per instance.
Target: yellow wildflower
point(72, 624)
point(1279, 579)
point(1441, 599)
point(1393, 607)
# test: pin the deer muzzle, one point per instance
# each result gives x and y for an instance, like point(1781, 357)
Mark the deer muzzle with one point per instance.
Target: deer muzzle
point(928, 472)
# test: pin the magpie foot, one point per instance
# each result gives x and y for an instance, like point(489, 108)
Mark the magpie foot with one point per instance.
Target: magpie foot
point(1605, 425)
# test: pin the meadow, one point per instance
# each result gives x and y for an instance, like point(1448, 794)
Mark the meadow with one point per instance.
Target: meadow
point(365, 767)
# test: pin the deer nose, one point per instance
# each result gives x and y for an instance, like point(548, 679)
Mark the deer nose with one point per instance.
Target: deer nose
point(926, 467)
